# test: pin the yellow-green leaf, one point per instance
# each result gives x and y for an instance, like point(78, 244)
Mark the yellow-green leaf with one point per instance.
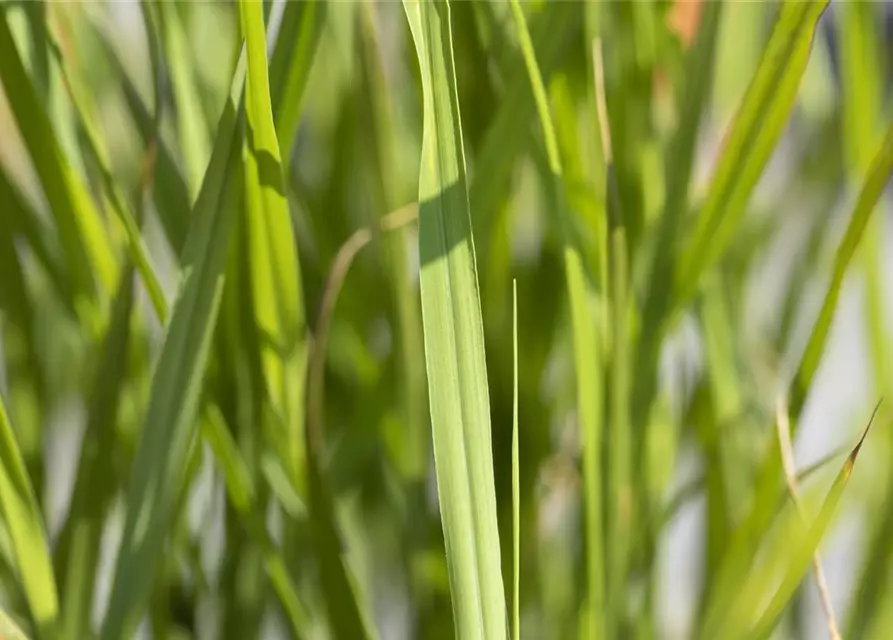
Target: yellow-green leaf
point(22, 516)
point(454, 340)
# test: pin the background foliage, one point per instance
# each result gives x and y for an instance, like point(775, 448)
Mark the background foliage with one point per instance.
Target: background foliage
point(423, 320)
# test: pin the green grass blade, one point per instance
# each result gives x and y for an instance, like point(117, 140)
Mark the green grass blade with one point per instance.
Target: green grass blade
point(802, 555)
point(21, 513)
point(725, 395)
point(169, 426)
point(239, 392)
point(761, 512)
point(192, 130)
point(454, 342)
point(506, 136)
point(82, 234)
point(275, 269)
point(872, 189)
point(77, 553)
point(516, 478)
point(139, 253)
point(296, 44)
point(755, 131)
point(153, 38)
point(620, 491)
point(679, 166)
point(862, 70)
point(582, 329)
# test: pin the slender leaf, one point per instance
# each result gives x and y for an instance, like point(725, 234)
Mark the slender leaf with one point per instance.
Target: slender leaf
point(862, 70)
point(582, 329)
point(760, 120)
point(454, 344)
point(516, 479)
point(77, 554)
point(195, 146)
point(506, 136)
point(620, 490)
point(679, 166)
point(802, 555)
point(85, 110)
point(21, 513)
point(875, 182)
point(761, 511)
point(169, 426)
point(275, 269)
point(296, 44)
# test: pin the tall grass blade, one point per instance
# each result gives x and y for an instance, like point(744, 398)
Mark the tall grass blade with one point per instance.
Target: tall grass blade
point(620, 489)
point(725, 395)
point(790, 473)
point(24, 523)
point(504, 140)
point(296, 44)
point(862, 70)
point(77, 553)
point(169, 426)
point(757, 126)
point(875, 182)
point(582, 328)
point(516, 478)
point(192, 130)
point(679, 165)
point(275, 270)
point(803, 552)
point(454, 342)
point(240, 395)
point(761, 511)
point(139, 253)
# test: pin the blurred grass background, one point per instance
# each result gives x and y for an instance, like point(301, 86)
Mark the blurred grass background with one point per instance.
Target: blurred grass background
point(233, 344)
